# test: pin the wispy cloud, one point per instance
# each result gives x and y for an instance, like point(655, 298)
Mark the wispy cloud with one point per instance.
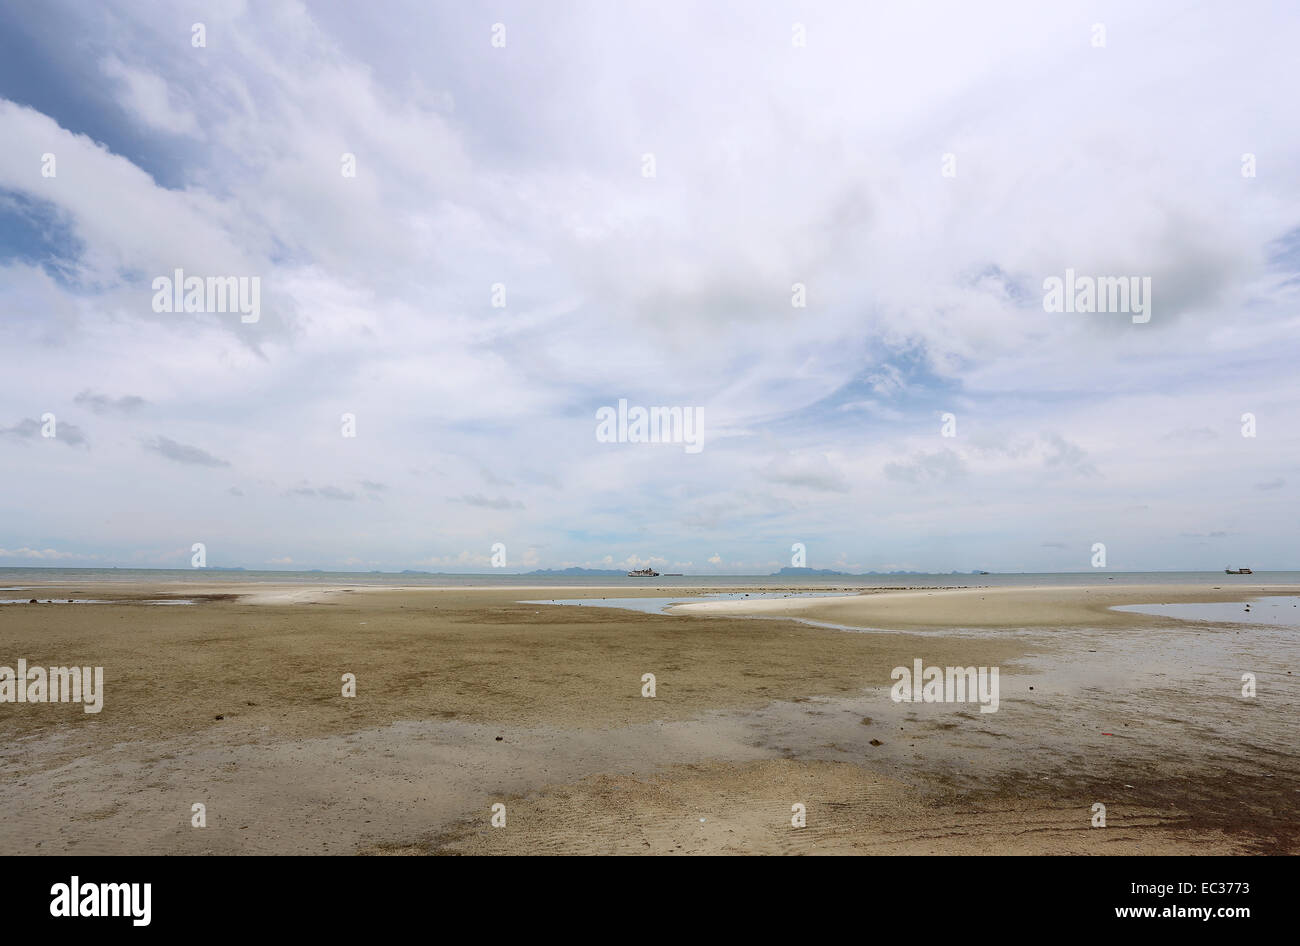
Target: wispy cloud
point(103, 404)
point(1069, 456)
point(486, 502)
point(935, 466)
point(809, 471)
point(183, 453)
point(29, 429)
point(41, 554)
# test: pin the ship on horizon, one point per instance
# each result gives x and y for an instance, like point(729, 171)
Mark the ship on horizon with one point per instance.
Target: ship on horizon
point(643, 573)
point(1237, 571)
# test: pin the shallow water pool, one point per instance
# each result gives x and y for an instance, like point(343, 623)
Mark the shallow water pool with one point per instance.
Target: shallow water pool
point(1281, 610)
point(657, 605)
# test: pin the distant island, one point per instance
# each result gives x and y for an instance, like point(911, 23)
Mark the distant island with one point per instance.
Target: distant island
point(789, 571)
point(574, 570)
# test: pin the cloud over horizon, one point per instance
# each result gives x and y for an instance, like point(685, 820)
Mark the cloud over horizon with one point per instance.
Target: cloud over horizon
point(499, 268)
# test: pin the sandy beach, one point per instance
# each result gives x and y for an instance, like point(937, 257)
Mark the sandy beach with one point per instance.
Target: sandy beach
point(467, 698)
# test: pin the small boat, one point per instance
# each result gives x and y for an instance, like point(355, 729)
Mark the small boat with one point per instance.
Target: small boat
point(1237, 571)
point(643, 573)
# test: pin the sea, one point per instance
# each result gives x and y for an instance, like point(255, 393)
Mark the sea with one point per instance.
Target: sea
point(17, 578)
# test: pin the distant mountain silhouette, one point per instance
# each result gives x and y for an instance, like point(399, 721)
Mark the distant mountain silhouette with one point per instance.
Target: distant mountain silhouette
point(573, 570)
point(788, 572)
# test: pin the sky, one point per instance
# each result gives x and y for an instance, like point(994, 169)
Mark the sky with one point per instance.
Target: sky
point(559, 206)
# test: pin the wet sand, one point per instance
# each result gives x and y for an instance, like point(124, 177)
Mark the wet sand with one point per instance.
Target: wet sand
point(943, 609)
point(466, 698)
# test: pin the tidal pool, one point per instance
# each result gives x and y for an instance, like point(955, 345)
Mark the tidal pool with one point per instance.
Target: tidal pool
point(1281, 610)
point(657, 605)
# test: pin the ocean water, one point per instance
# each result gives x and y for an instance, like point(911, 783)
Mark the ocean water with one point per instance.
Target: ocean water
point(15, 579)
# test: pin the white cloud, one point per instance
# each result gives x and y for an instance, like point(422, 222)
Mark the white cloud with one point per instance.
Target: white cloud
point(44, 554)
point(819, 166)
point(146, 97)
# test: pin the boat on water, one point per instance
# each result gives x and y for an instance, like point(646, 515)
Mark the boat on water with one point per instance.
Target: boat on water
point(643, 573)
point(1237, 571)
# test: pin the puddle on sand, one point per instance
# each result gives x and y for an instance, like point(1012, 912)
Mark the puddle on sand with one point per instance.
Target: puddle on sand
point(661, 605)
point(1281, 610)
point(657, 605)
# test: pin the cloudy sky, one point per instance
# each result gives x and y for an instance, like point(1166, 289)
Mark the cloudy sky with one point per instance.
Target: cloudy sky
point(522, 164)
